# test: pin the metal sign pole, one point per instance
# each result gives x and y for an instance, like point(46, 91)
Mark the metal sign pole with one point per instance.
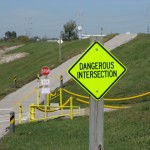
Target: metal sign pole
point(45, 90)
point(45, 86)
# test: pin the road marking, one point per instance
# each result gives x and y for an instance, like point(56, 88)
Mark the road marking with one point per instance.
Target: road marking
point(4, 121)
point(7, 109)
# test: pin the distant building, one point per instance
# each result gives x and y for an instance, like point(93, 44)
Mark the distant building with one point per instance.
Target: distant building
point(84, 36)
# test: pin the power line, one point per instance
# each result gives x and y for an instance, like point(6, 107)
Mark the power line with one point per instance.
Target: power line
point(29, 26)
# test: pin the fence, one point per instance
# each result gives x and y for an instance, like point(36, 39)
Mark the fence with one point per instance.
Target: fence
point(57, 94)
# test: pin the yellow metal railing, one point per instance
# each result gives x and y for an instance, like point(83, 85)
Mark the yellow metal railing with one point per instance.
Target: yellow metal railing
point(20, 114)
point(80, 98)
point(62, 110)
point(63, 106)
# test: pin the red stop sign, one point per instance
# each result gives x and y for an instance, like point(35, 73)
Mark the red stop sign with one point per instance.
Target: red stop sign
point(45, 71)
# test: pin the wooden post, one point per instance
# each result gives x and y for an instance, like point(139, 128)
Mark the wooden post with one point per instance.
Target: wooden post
point(96, 121)
point(96, 124)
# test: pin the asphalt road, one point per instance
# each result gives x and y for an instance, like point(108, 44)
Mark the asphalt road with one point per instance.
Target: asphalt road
point(27, 94)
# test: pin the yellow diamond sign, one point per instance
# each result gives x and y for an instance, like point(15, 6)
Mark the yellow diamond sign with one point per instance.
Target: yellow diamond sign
point(97, 70)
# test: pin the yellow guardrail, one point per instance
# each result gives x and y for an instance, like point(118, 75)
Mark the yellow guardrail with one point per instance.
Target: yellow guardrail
point(74, 94)
point(106, 106)
point(115, 107)
point(59, 115)
point(106, 99)
point(70, 111)
point(109, 99)
point(54, 95)
point(82, 101)
point(127, 98)
point(58, 93)
point(43, 108)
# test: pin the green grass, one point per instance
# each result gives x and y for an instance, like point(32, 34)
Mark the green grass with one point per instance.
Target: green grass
point(128, 129)
point(135, 56)
point(124, 130)
point(9, 43)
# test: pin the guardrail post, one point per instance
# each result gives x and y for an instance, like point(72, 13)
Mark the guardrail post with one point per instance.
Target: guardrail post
point(61, 89)
point(71, 108)
point(15, 82)
point(46, 114)
point(61, 81)
point(60, 103)
point(12, 122)
point(38, 96)
point(50, 97)
point(47, 100)
point(38, 78)
point(32, 113)
point(20, 114)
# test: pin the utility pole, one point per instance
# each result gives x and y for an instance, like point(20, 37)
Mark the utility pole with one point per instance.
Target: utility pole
point(60, 49)
point(101, 35)
point(60, 41)
point(148, 29)
point(29, 26)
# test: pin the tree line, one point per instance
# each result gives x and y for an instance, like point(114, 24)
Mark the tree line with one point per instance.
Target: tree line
point(70, 32)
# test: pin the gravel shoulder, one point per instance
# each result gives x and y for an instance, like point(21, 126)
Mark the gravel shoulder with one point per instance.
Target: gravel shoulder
point(6, 58)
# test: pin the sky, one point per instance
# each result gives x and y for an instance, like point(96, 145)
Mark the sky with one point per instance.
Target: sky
point(46, 18)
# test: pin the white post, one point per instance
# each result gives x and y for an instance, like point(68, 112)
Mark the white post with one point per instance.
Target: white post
point(45, 86)
point(60, 49)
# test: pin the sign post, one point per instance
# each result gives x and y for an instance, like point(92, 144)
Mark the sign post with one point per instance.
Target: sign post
point(96, 120)
point(96, 71)
point(60, 41)
point(96, 124)
point(45, 90)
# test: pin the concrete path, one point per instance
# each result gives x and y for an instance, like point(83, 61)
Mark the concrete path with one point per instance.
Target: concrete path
point(27, 95)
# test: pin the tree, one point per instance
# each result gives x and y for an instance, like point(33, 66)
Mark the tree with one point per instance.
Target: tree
point(70, 31)
point(13, 34)
point(7, 34)
point(23, 39)
point(10, 35)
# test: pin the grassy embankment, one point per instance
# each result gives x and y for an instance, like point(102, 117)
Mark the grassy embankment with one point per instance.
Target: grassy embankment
point(126, 129)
